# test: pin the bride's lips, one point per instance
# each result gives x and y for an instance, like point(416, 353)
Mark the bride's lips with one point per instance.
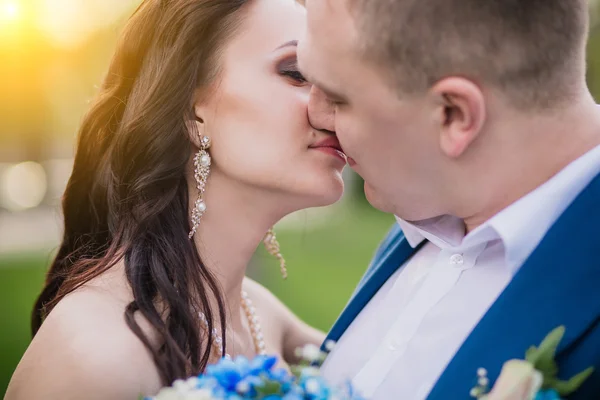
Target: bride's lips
point(331, 146)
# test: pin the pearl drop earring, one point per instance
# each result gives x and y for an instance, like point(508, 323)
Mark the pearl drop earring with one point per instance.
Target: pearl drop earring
point(202, 163)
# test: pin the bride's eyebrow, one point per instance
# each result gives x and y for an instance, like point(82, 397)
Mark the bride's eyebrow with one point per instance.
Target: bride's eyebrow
point(291, 43)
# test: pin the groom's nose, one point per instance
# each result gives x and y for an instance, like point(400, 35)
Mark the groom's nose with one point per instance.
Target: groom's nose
point(321, 111)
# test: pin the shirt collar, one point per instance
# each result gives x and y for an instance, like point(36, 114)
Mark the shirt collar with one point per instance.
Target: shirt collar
point(444, 231)
point(522, 225)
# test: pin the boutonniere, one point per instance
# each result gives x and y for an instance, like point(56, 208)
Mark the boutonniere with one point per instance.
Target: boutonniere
point(534, 378)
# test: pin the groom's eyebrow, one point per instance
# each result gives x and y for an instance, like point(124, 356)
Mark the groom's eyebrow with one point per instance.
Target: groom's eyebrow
point(328, 92)
point(331, 94)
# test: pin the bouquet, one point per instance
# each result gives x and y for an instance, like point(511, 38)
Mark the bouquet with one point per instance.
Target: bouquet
point(534, 378)
point(258, 378)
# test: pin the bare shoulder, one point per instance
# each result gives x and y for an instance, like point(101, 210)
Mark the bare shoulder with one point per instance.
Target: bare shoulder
point(264, 298)
point(85, 349)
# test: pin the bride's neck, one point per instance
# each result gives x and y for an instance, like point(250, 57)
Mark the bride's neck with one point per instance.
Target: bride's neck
point(233, 225)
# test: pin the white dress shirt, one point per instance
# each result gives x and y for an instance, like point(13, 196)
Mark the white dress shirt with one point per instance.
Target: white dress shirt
point(402, 341)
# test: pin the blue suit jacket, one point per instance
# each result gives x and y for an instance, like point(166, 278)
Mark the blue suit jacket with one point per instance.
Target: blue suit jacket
point(559, 284)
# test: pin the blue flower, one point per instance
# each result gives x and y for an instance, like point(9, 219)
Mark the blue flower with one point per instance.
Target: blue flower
point(230, 379)
point(283, 377)
point(315, 387)
point(207, 382)
point(293, 396)
point(242, 379)
point(262, 364)
point(550, 394)
point(227, 373)
point(243, 365)
point(247, 386)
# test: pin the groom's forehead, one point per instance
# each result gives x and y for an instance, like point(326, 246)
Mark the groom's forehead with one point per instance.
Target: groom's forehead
point(328, 45)
point(325, 7)
point(329, 17)
point(331, 34)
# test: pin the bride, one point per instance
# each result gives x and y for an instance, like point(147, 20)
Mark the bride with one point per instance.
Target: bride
point(197, 144)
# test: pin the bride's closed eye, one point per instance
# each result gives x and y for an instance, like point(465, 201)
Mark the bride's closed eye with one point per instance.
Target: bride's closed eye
point(289, 69)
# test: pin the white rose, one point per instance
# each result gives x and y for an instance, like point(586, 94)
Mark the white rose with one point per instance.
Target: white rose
point(200, 394)
point(518, 381)
point(167, 394)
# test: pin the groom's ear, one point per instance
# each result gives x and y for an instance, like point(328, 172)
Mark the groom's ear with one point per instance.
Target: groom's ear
point(462, 113)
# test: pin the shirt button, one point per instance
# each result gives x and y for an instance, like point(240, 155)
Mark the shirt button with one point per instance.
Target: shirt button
point(457, 259)
point(396, 347)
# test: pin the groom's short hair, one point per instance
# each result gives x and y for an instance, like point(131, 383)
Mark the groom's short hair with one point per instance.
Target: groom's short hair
point(533, 50)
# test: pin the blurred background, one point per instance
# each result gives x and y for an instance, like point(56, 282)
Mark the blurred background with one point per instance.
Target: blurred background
point(53, 54)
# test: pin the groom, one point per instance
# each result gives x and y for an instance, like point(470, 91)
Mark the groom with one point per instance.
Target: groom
point(471, 122)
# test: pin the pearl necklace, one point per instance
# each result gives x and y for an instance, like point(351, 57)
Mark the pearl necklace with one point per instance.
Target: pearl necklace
point(253, 321)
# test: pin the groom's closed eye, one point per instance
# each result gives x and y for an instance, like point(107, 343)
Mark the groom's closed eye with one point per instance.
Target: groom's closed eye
point(331, 95)
point(310, 79)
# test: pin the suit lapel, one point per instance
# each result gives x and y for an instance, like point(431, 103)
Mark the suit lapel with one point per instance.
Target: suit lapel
point(384, 267)
point(557, 285)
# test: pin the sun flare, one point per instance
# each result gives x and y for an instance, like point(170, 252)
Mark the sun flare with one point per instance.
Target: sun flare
point(9, 10)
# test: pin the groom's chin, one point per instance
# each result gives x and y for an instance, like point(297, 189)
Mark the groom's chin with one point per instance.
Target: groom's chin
point(392, 204)
point(377, 199)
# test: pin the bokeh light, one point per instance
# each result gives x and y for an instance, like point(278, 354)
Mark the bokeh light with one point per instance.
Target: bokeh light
point(23, 186)
point(68, 23)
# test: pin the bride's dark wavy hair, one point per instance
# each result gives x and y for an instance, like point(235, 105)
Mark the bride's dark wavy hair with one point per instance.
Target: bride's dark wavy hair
point(127, 197)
